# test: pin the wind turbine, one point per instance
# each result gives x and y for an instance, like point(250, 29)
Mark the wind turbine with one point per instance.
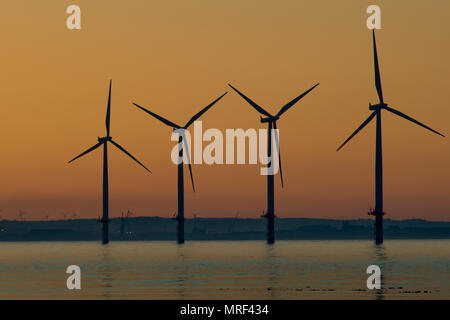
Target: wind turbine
point(378, 211)
point(272, 123)
point(181, 140)
point(21, 215)
point(104, 141)
point(74, 215)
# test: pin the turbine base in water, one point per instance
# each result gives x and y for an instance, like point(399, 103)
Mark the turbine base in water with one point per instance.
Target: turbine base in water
point(378, 226)
point(270, 229)
point(105, 231)
point(180, 231)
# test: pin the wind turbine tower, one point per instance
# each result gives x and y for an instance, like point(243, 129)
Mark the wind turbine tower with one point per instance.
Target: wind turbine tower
point(181, 145)
point(377, 108)
point(104, 142)
point(271, 121)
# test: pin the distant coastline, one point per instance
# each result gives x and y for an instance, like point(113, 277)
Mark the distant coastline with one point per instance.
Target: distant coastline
point(157, 228)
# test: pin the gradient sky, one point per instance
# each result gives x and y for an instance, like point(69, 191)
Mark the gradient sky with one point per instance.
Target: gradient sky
point(174, 57)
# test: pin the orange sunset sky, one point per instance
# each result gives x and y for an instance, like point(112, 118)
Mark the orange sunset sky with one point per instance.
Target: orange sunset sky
point(175, 57)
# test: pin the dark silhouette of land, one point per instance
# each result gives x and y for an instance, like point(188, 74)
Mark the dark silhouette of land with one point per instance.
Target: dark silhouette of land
point(272, 123)
point(378, 211)
point(181, 142)
point(156, 228)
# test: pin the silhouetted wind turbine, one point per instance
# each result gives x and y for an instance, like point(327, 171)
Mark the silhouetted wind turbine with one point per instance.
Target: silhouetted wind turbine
point(21, 215)
point(104, 141)
point(74, 215)
point(272, 123)
point(378, 211)
point(181, 140)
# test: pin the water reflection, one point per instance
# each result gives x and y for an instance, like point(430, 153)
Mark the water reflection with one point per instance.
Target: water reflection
point(245, 270)
point(181, 271)
point(272, 270)
point(106, 270)
point(381, 261)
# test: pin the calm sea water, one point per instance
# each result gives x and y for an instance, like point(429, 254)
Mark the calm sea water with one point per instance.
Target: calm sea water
point(226, 270)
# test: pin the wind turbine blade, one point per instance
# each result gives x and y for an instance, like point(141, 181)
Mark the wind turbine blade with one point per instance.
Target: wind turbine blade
point(277, 142)
point(189, 158)
point(108, 110)
point(128, 154)
point(192, 179)
point(87, 151)
point(359, 129)
point(198, 115)
point(377, 69)
point(165, 121)
point(253, 104)
point(290, 104)
point(411, 119)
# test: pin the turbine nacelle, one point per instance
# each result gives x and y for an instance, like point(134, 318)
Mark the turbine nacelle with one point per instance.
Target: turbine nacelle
point(104, 139)
point(377, 106)
point(269, 119)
